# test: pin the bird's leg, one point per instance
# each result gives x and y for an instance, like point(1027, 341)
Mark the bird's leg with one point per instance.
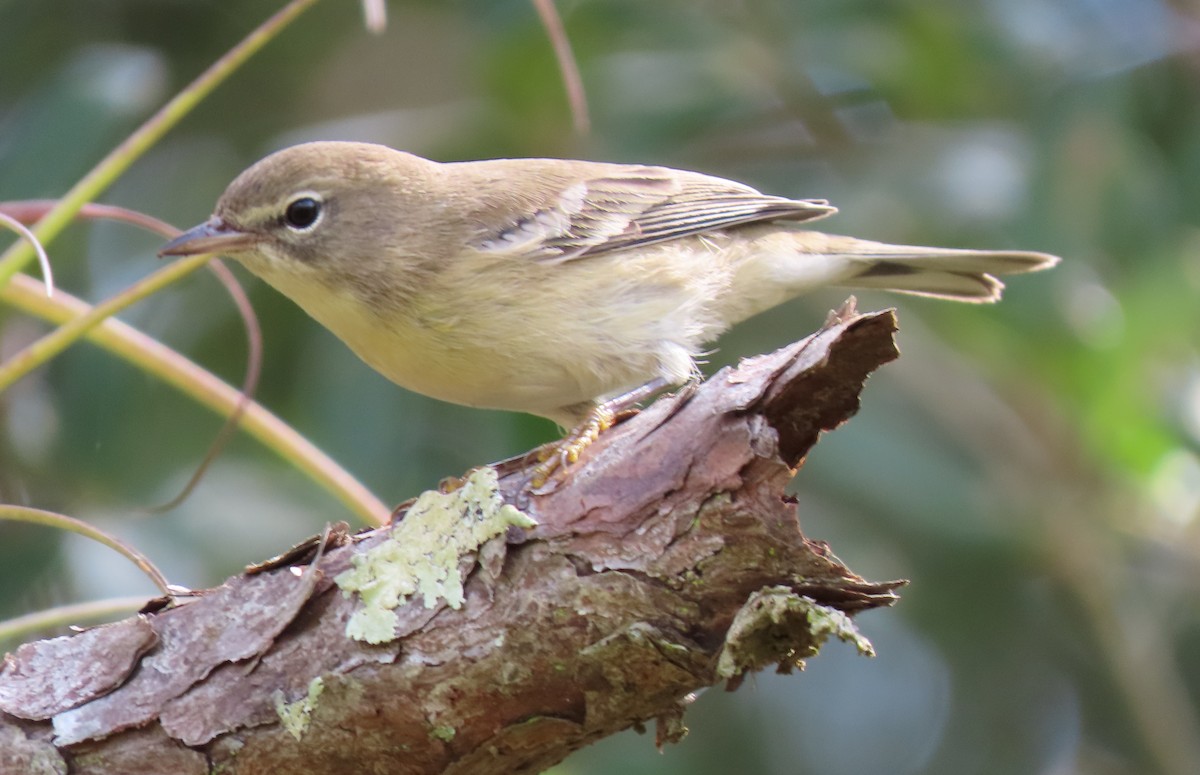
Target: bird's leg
point(559, 455)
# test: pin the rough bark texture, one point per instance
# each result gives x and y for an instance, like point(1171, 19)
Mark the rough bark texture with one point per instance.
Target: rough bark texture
point(669, 559)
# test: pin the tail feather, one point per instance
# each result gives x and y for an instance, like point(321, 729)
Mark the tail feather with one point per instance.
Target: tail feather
point(781, 265)
point(978, 287)
point(954, 260)
point(946, 273)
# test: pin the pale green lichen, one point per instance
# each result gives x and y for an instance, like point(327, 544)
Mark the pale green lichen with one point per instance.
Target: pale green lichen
point(296, 716)
point(824, 621)
point(776, 625)
point(443, 732)
point(421, 556)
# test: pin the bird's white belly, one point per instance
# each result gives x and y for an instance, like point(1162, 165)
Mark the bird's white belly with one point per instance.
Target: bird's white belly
point(601, 332)
point(446, 362)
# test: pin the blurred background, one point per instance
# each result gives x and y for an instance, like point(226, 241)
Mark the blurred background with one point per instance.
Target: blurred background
point(1032, 467)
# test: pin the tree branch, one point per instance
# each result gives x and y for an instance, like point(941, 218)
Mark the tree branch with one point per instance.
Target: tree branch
point(668, 559)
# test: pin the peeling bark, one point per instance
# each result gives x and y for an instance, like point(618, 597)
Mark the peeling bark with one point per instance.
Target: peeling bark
point(667, 560)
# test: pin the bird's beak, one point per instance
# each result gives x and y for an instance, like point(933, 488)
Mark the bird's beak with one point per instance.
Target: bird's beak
point(212, 236)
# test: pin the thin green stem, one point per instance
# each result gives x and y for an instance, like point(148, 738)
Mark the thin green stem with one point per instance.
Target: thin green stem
point(119, 159)
point(20, 627)
point(154, 358)
point(68, 333)
point(20, 228)
point(63, 522)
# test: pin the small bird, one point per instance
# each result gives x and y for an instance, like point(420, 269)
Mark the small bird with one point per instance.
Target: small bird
point(545, 286)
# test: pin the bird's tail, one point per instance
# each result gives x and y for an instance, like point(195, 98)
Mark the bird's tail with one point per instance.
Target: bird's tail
point(959, 275)
point(780, 265)
point(944, 273)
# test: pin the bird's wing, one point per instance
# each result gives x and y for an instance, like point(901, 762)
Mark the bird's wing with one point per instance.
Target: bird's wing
point(623, 207)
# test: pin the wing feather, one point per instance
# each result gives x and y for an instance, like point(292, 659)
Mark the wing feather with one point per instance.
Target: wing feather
point(627, 207)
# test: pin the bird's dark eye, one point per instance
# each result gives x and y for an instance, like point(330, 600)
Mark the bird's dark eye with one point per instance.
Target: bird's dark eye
point(301, 214)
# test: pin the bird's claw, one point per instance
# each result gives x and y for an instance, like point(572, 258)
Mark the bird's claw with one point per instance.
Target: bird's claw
point(558, 456)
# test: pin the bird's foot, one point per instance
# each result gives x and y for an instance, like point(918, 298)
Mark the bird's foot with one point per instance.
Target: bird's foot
point(560, 454)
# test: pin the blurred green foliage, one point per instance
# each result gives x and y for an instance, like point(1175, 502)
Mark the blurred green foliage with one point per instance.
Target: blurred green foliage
point(1034, 467)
